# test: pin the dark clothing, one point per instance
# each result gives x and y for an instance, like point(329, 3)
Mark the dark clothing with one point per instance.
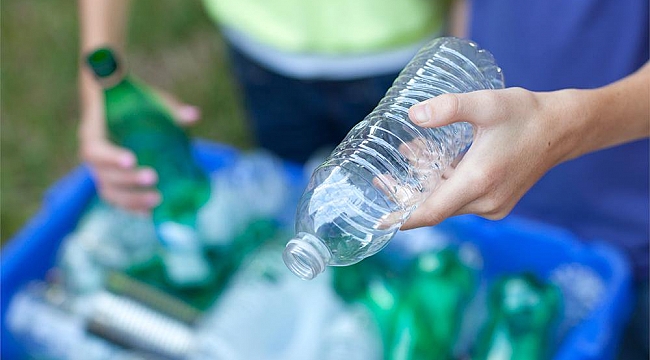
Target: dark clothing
point(293, 117)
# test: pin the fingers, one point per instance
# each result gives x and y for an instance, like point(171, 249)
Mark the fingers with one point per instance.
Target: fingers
point(131, 189)
point(186, 114)
point(475, 107)
point(468, 188)
point(141, 201)
point(119, 180)
point(130, 178)
point(506, 158)
point(451, 196)
point(100, 152)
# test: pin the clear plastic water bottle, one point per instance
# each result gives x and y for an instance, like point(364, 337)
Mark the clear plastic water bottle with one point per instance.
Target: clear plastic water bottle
point(107, 238)
point(386, 166)
point(41, 318)
point(582, 291)
point(352, 334)
point(254, 187)
point(266, 313)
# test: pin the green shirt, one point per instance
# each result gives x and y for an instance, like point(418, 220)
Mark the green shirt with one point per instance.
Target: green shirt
point(332, 26)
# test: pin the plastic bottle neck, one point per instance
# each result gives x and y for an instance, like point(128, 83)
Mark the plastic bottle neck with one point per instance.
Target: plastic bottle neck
point(306, 256)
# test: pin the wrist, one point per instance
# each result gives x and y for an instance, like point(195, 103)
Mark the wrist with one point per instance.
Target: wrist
point(568, 120)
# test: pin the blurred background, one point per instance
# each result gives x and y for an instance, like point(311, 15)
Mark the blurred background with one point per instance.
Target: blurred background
point(172, 45)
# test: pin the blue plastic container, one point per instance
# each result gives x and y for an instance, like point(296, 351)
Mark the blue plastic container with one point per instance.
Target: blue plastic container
point(517, 245)
point(507, 246)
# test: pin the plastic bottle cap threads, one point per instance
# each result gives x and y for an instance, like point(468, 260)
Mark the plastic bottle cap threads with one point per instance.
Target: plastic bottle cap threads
point(303, 258)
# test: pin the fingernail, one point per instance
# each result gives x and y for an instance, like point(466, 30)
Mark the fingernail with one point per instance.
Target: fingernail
point(127, 161)
point(189, 113)
point(421, 113)
point(147, 177)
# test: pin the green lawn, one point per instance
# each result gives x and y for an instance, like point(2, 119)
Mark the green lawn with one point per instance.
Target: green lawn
point(172, 45)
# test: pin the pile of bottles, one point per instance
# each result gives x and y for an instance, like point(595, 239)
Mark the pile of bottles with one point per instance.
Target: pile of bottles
point(111, 290)
point(423, 297)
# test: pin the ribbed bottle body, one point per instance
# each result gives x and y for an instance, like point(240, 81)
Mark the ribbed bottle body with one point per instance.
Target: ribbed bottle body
point(386, 166)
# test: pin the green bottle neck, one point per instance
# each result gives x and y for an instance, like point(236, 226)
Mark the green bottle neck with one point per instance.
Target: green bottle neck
point(116, 79)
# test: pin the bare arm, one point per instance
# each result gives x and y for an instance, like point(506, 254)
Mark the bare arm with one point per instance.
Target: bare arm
point(615, 114)
point(102, 23)
point(520, 135)
point(119, 180)
point(458, 18)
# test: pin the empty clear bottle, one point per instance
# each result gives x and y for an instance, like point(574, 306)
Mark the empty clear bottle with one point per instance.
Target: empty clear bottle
point(137, 119)
point(266, 313)
point(42, 319)
point(386, 166)
point(352, 334)
point(105, 238)
point(254, 187)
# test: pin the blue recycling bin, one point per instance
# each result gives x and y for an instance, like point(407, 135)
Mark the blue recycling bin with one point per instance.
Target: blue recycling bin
point(507, 246)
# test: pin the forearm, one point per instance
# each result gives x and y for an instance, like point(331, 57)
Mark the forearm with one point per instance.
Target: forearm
point(611, 115)
point(102, 23)
point(459, 18)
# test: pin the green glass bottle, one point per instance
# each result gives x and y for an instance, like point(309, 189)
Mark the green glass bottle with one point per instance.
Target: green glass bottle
point(137, 119)
point(522, 314)
point(429, 316)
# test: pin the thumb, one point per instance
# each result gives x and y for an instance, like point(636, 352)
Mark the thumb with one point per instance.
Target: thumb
point(186, 114)
point(183, 113)
point(438, 111)
point(473, 107)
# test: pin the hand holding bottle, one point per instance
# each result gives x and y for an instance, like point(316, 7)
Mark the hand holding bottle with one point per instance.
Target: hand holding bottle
point(119, 179)
point(370, 184)
point(519, 135)
point(517, 139)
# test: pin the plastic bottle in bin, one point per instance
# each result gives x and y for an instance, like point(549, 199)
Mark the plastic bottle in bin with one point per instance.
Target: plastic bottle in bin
point(428, 318)
point(52, 323)
point(523, 312)
point(266, 313)
point(373, 285)
point(138, 120)
point(386, 166)
point(418, 308)
point(40, 317)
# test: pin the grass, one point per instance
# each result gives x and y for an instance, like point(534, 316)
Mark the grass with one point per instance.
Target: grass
point(172, 45)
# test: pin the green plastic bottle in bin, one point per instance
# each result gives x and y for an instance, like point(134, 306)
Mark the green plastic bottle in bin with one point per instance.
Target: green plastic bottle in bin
point(371, 284)
point(418, 310)
point(523, 311)
point(429, 316)
point(136, 118)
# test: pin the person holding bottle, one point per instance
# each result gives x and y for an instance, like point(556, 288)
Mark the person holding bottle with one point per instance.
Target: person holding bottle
point(567, 142)
point(307, 76)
